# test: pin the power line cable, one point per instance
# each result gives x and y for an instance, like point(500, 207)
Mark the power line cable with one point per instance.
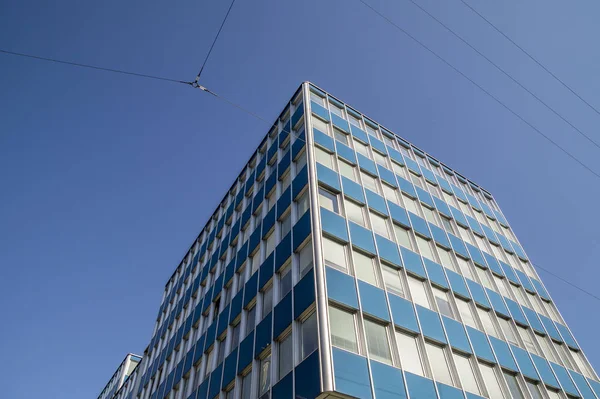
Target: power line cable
point(499, 68)
point(141, 75)
point(213, 43)
point(258, 117)
point(531, 57)
point(538, 131)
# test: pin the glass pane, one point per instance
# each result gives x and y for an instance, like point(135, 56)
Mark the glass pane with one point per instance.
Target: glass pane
point(466, 313)
point(446, 258)
point(513, 386)
point(439, 364)
point(379, 225)
point(390, 194)
point(286, 356)
point(409, 354)
point(264, 381)
point(305, 259)
point(247, 386)
point(508, 331)
point(491, 381)
point(335, 254)
point(418, 293)
point(363, 266)
point(309, 335)
point(466, 373)
point(377, 342)
point(343, 330)
point(534, 390)
point(347, 170)
point(393, 282)
point(403, 237)
point(410, 204)
point(425, 247)
point(355, 212)
point(441, 299)
point(323, 158)
point(486, 320)
point(328, 200)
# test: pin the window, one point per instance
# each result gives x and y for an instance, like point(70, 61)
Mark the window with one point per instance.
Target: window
point(507, 329)
point(449, 198)
point(485, 279)
point(323, 157)
point(270, 245)
point(410, 204)
point(354, 120)
point(247, 386)
point(372, 130)
point(336, 110)
point(584, 368)
point(300, 162)
point(547, 348)
point(380, 225)
point(369, 182)
point(286, 355)
point(339, 136)
point(329, 200)
point(355, 212)
point(308, 335)
point(443, 304)
point(250, 319)
point(465, 235)
point(317, 99)
point(264, 381)
point(464, 308)
point(380, 159)
point(285, 181)
point(465, 268)
point(501, 283)
point(513, 386)
point(392, 280)
point(302, 205)
point(399, 169)
point(416, 180)
point(271, 200)
point(320, 125)
point(267, 304)
point(364, 268)
point(447, 225)
point(534, 390)
point(285, 281)
point(377, 342)
point(209, 362)
point(347, 170)
point(438, 359)
point(403, 236)
point(410, 355)
point(466, 372)
point(235, 336)
point(429, 215)
point(230, 394)
point(424, 247)
point(525, 334)
point(343, 329)
point(491, 381)
point(362, 149)
point(564, 355)
point(488, 323)
point(286, 225)
point(389, 141)
point(418, 293)
point(335, 254)
point(305, 259)
point(391, 194)
point(446, 258)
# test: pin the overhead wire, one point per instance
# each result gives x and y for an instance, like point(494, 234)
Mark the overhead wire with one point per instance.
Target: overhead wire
point(528, 54)
point(503, 71)
point(214, 42)
point(245, 110)
point(78, 64)
point(496, 99)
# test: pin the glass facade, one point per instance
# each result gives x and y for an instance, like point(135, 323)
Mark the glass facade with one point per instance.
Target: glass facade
point(343, 259)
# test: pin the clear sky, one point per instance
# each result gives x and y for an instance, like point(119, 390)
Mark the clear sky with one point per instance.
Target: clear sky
point(107, 179)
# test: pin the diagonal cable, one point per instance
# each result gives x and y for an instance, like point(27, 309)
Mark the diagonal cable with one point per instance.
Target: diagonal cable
point(141, 75)
point(214, 41)
point(531, 57)
point(499, 68)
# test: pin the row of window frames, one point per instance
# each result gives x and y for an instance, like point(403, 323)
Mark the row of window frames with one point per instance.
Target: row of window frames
point(284, 226)
point(364, 149)
point(345, 333)
point(357, 213)
point(432, 216)
point(286, 347)
point(351, 172)
point(283, 283)
point(394, 281)
point(271, 199)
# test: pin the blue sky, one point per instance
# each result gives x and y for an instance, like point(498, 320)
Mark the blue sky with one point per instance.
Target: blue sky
point(107, 179)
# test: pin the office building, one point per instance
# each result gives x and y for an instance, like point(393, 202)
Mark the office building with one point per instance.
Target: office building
point(346, 262)
point(120, 376)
